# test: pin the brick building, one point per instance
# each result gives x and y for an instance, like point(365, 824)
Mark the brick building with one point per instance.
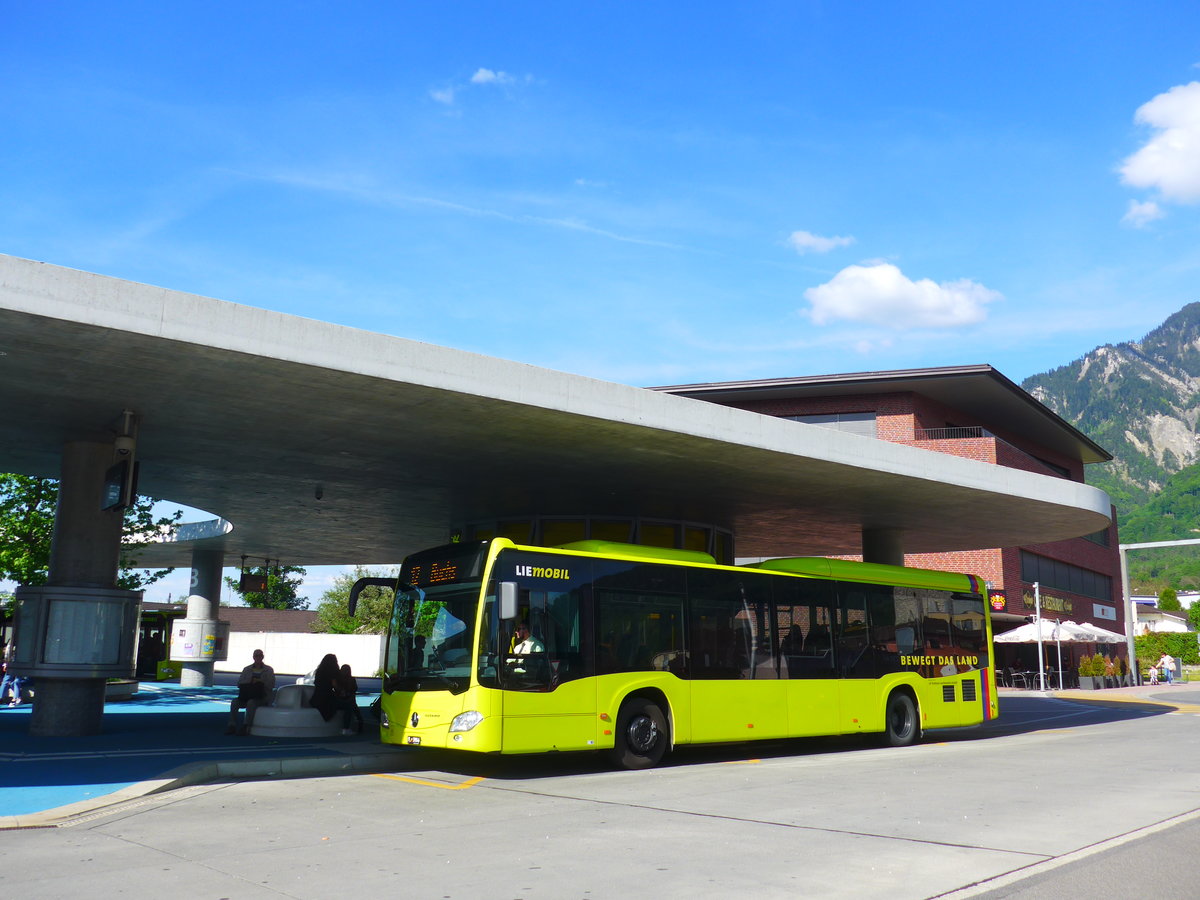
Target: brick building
point(977, 413)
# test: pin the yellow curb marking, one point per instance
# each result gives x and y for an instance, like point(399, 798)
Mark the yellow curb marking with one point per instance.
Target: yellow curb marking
point(470, 782)
point(741, 762)
point(1174, 706)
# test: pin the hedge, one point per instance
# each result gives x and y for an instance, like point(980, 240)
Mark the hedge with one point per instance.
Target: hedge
point(1150, 647)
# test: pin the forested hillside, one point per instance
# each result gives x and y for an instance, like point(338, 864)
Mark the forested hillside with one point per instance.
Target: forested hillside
point(1141, 401)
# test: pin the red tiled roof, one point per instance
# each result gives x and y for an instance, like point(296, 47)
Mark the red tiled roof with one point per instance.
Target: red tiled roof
point(248, 618)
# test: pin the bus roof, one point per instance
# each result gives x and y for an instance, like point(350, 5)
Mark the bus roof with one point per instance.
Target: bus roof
point(873, 573)
point(813, 566)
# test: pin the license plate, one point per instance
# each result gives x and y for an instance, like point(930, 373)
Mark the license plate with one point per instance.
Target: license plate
point(412, 740)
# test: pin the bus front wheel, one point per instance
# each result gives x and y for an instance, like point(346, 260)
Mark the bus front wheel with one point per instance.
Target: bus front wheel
point(902, 728)
point(641, 734)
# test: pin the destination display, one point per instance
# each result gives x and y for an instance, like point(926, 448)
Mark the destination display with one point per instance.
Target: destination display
point(451, 564)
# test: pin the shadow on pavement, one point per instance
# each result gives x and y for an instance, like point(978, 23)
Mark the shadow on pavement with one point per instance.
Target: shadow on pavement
point(1019, 714)
point(160, 730)
point(166, 728)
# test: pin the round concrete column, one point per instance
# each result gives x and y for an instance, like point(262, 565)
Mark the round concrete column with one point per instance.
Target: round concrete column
point(86, 547)
point(84, 552)
point(203, 604)
point(883, 545)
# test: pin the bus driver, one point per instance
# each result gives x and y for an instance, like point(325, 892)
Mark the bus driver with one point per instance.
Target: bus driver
point(525, 645)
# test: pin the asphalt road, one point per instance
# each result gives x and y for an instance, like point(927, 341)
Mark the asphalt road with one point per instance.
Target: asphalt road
point(1057, 798)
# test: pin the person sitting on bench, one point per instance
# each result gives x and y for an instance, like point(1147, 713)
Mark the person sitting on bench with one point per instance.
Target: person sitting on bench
point(256, 685)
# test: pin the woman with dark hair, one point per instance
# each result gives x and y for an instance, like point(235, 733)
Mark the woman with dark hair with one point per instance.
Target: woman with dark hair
point(346, 689)
point(324, 698)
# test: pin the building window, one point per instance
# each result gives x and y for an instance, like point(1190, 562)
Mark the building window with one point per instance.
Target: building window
point(861, 423)
point(1054, 467)
point(554, 531)
point(1053, 573)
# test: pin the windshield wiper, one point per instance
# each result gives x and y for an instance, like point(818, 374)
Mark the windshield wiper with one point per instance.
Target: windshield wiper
point(416, 679)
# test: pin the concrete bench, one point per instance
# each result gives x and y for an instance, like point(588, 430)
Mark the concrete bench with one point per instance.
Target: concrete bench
point(291, 716)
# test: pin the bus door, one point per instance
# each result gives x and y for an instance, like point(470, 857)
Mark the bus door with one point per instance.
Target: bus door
point(640, 637)
point(548, 700)
point(804, 616)
point(865, 648)
point(734, 668)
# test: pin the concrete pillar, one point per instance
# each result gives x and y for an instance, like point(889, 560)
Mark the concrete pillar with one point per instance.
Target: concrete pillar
point(883, 545)
point(86, 548)
point(203, 605)
point(85, 552)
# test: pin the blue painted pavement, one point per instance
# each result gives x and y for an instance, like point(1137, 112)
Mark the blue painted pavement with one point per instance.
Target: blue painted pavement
point(162, 728)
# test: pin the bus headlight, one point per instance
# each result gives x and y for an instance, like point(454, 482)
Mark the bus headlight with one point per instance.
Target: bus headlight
point(466, 721)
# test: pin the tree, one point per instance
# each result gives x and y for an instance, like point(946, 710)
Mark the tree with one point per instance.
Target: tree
point(27, 505)
point(374, 605)
point(1168, 600)
point(1194, 614)
point(282, 584)
point(26, 527)
point(141, 527)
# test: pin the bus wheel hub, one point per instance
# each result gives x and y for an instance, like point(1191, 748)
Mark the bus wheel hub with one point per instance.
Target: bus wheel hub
point(642, 733)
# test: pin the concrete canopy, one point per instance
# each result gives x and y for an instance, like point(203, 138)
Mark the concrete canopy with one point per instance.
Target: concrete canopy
point(250, 414)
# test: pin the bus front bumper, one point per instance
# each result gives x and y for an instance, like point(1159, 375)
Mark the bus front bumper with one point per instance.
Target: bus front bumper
point(468, 730)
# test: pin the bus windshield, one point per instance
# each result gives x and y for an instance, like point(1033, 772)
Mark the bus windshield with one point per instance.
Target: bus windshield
point(429, 646)
point(433, 616)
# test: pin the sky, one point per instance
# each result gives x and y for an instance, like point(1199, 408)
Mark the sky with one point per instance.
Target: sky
point(643, 193)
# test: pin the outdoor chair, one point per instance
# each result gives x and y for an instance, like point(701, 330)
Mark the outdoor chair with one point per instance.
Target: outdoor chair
point(1017, 679)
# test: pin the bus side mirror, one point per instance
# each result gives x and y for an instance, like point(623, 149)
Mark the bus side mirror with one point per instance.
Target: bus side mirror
point(357, 589)
point(507, 598)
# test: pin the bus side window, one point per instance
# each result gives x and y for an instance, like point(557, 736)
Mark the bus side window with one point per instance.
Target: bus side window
point(851, 639)
point(639, 617)
point(563, 634)
point(732, 632)
point(557, 610)
point(881, 614)
point(638, 633)
point(802, 615)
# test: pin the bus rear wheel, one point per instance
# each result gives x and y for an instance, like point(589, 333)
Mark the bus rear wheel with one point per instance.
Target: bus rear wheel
point(902, 728)
point(641, 734)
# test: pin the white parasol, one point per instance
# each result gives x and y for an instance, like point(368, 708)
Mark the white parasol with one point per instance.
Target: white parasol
point(1043, 630)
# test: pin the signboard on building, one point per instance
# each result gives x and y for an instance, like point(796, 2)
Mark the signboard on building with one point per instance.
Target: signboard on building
point(1050, 602)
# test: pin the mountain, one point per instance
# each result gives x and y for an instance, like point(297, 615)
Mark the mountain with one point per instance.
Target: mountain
point(1141, 402)
point(1138, 400)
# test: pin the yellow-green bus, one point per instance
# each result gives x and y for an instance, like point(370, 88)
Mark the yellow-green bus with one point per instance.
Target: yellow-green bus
point(633, 650)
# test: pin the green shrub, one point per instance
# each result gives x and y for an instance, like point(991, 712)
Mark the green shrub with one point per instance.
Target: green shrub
point(1150, 647)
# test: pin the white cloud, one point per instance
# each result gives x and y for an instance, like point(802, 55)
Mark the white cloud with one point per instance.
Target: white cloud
point(449, 95)
point(1170, 160)
point(880, 294)
point(1141, 214)
point(487, 76)
point(807, 242)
